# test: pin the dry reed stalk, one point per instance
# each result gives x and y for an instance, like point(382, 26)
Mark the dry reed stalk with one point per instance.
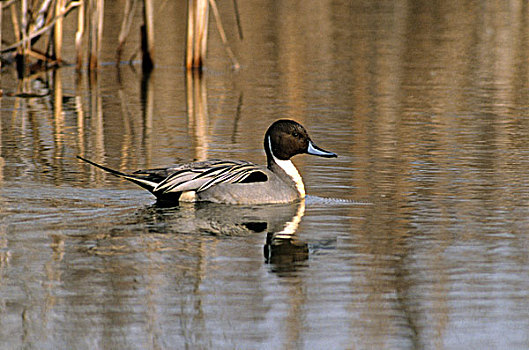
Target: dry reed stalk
point(58, 32)
point(220, 28)
point(38, 55)
point(201, 40)
point(24, 25)
point(14, 20)
point(148, 36)
point(100, 12)
point(40, 20)
point(79, 34)
point(92, 15)
point(197, 33)
point(238, 19)
point(96, 32)
point(38, 32)
point(190, 33)
point(19, 57)
point(128, 13)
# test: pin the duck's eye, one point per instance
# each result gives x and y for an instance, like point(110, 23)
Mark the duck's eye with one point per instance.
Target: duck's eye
point(295, 134)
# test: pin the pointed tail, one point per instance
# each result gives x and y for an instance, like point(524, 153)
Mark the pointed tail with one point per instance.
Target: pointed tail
point(145, 183)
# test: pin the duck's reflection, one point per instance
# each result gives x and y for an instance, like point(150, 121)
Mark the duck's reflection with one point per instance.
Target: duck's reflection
point(284, 251)
point(282, 247)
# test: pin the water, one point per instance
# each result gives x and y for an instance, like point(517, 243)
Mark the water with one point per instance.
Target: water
point(416, 236)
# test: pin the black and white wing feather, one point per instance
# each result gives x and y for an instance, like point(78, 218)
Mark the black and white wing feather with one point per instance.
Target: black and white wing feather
point(200, 176)
point(196, 176)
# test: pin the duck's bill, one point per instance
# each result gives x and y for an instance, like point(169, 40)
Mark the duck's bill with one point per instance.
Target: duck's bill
point(316, 151)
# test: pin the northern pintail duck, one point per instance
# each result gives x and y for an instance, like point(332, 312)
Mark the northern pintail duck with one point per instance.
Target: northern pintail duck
point(235, 181)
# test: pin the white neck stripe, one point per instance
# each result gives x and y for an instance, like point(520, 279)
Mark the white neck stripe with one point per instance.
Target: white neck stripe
point(289, 168)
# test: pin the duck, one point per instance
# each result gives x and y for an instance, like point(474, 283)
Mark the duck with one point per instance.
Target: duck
point(234, 181)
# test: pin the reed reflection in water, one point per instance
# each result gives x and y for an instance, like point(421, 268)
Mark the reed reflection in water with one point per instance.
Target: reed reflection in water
point(426, 106)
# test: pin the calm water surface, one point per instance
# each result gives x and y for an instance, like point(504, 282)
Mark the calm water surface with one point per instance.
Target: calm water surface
point(417, 236)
